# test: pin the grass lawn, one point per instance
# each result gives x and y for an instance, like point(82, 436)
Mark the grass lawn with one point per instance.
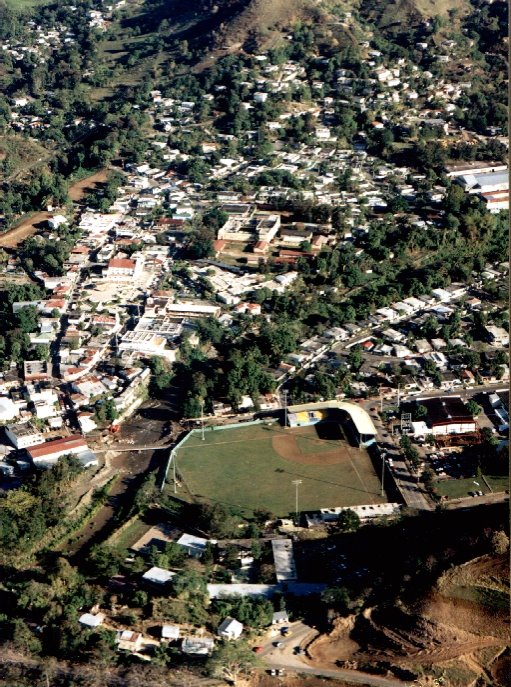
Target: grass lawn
point(239, 467)
point(459, 488)
point(130, 534)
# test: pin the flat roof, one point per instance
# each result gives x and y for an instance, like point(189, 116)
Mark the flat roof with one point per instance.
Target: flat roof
point(284, 560)
point(446, 409)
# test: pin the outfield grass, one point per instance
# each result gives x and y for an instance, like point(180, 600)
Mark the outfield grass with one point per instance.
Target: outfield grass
point(239, 467)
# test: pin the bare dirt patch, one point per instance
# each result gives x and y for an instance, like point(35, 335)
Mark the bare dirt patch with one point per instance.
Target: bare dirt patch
point(78, 190)
point(287, 447)
point(33, 223)
point(25, 228)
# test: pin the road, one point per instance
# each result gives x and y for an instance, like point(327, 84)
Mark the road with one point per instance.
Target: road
point(284, 657)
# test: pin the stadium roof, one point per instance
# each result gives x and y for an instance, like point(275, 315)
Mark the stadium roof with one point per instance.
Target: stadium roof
point(360, 417)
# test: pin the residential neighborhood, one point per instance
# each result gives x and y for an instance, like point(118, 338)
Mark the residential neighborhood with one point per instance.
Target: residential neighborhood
point(254, 404)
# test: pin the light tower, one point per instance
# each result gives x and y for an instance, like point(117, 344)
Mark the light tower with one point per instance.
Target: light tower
point(285, 393)
point(202, 418)
point(297, 483)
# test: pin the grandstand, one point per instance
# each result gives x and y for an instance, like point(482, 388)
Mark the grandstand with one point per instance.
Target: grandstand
point(354, 419)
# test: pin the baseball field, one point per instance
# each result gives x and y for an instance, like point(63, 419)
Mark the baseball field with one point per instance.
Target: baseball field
point(254, 467)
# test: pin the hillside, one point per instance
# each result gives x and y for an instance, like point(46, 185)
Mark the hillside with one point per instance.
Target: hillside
point(392, 13)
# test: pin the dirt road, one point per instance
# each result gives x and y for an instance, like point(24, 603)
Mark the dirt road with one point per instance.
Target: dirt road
point(31, 224)
point(286, 657)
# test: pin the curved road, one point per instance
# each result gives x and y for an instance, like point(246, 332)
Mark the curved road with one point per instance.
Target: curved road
point(286, 658)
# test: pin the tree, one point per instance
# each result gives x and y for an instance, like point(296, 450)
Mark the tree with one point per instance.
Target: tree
point(421, 412)
point(355, 358)
point(231, 661)
point(499, 542)
point(348, 521)
point(474, 408)
point(337, 598)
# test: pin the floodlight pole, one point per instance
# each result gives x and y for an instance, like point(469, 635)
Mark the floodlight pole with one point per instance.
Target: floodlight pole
point(382, 474)
point(202, 418)
point(285, 392)
point(297, 483)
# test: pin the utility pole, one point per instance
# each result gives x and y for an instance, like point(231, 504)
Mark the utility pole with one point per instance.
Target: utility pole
point(398, 396)
point(174, 456)
point(285, 392)
point(382, 474)
point(297, 483)
point(381, 402)
point(202, 418)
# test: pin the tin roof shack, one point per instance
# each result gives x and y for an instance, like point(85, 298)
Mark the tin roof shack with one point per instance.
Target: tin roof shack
point(197, 646)
point(450, 421)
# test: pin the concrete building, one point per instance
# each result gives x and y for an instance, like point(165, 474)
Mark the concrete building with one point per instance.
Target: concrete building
point(123, 269)
point(448, 415)
point(24, 435)
point(47, 454)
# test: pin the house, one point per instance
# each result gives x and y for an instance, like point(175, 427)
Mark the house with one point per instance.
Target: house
point(195, 546)
point(197, 646)
point(122, 269)
point(170, 633)
point(91, 620)
point(127, 640)
point(230, 628)
point(86, 422)
point(158, 576)
point(280, 618)
point(497, 335)
point(423, 346)
point(56, 221)
point(499, 401)
point(8, 410)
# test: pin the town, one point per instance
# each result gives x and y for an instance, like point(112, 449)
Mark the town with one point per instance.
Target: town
point(277, 322)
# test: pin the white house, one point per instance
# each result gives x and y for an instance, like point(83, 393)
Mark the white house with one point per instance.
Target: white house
point(158, 576)
point(195, 546)
point(280, 618)
point(8, 410)
point(230, 629)
point(91, 620)
point(497, 335)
